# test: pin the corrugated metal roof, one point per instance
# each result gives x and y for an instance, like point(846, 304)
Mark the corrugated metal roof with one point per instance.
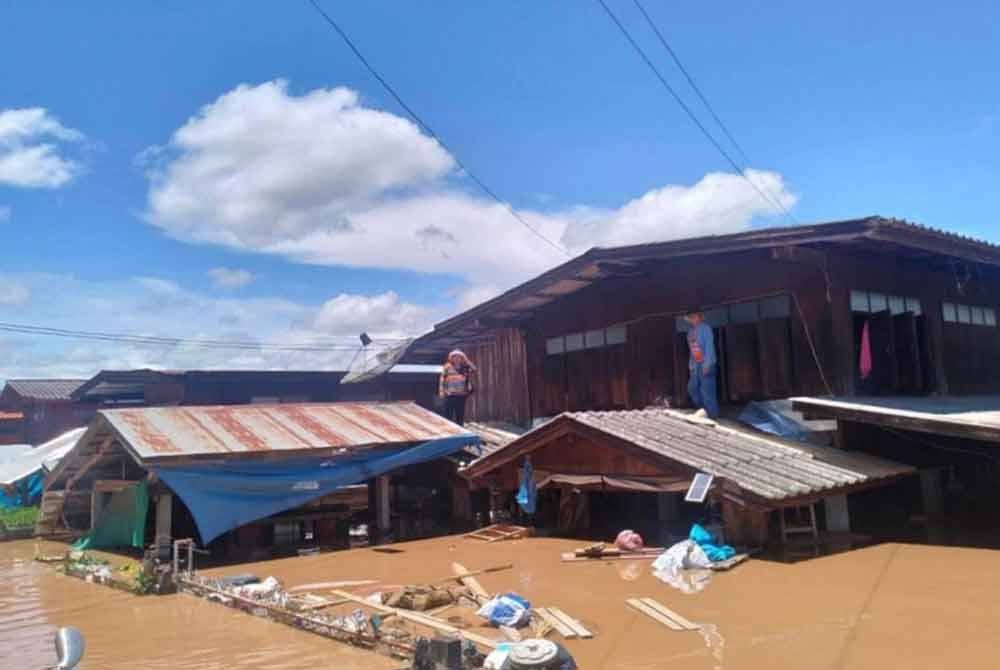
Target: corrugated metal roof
point(768, 467)
point(491, 438)
point(45, 389)
point(219, 430)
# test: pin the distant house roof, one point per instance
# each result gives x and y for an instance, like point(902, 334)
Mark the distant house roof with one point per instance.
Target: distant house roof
point(771, 469)
point(45, 389)
point(131, 384)
point(519, 303)
point(171, 433)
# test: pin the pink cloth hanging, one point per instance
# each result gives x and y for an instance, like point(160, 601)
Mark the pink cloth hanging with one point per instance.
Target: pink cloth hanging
point(865, 360)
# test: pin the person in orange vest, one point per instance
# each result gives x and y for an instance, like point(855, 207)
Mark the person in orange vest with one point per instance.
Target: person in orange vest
point(455, 385)
point(702, 366)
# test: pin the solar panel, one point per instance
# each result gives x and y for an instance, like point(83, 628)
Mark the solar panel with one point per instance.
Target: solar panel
point(698, 490)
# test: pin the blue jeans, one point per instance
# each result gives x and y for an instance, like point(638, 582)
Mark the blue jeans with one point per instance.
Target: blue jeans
point(702, 389)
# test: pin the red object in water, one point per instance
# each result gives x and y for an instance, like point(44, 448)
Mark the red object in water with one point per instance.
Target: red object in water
point(865, 359)
point(629, 540)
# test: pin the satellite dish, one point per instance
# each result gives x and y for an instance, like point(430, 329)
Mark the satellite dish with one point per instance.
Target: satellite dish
point(698, 490)
point(369, 365)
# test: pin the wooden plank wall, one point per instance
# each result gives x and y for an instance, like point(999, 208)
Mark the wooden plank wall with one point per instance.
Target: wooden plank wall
point(519, 381)
point(501, 382)
point(652, 363)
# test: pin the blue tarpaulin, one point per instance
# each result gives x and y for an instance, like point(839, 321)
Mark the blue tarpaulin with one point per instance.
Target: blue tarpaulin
point(222, 497)
point(527, 493)
point(25, 493)
point(768, 419)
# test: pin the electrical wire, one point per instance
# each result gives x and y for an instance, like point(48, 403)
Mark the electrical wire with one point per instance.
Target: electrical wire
point(427, 129)
point(690, 113)
point(154, 340)
point(690, 79)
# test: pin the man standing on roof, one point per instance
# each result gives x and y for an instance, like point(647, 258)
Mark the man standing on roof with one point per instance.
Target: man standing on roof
point(701, 364)
point(455, 385)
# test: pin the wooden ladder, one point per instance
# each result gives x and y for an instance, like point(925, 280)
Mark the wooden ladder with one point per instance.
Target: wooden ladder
point(802, 526)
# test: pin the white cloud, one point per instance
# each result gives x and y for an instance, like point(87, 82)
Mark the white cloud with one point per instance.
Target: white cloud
point(320, 178)
point(230, 278)
point(152, 306)
point(5, 213)
point(31, 146)
point(13, 293)
point(384, 315)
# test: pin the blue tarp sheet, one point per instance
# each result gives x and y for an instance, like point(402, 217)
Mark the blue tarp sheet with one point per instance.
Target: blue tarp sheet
point(24, 493)
point(768, 420)
point(222, 497)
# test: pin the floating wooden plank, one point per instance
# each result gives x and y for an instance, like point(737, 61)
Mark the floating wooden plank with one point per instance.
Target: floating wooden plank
point(570, 623)
point(555, 623)
point(422, 619)
point(498, 532)
point(669, 613)
point(474, 573)
point(729, 563)
point(642, 607)
point(470, 582)
point(334, 585)
point(606, 552)
point(570, 557)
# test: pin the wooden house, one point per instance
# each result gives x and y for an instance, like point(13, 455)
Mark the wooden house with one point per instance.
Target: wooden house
point(791, 309)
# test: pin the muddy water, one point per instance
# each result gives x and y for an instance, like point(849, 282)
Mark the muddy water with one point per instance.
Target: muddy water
point(124, 631)
point(886, 606)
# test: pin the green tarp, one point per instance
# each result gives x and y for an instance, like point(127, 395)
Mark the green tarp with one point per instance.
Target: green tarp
point(122, 523)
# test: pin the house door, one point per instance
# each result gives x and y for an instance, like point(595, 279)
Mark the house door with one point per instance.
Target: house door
point(909, 371)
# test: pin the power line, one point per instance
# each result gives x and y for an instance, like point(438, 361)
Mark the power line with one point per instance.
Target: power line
point(704, 100)
point(687, 110)
point(153, 340)
point(427, 129)
point(690, 80)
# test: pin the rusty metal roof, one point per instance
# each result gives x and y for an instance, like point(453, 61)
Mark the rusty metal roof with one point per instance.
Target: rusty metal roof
point(153, 433)
point(768, 467)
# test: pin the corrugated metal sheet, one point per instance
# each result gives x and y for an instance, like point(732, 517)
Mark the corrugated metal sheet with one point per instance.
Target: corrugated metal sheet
point(768, 467)
point(492, 437)
point(45, 389)
point(171, 432)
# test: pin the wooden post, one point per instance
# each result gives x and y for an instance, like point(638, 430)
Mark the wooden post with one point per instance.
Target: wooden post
point(97, 501)
point(164, 519)
point(842, 375)
point(381, 515)
point(838, 519)
point(933, 493)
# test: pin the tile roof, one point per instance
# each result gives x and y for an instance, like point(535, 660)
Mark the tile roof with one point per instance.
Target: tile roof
point(768, 467)
point(45, 389)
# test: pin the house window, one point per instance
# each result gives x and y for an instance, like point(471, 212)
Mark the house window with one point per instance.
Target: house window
point(751, 311)
point(555, 345)
point(867, 302)
point(591, 339)
point(974, 315)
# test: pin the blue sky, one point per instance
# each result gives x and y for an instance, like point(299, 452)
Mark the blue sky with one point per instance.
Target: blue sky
point(329, 213)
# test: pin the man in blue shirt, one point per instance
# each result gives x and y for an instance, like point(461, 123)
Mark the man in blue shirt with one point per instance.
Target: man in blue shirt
point(702, 366)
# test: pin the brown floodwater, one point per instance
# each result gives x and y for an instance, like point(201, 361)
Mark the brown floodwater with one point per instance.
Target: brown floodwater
point(884, 606)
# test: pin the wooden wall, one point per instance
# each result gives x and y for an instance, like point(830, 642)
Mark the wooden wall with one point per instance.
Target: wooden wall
point(652, 363)
point(518, 381)
point(501, 383)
